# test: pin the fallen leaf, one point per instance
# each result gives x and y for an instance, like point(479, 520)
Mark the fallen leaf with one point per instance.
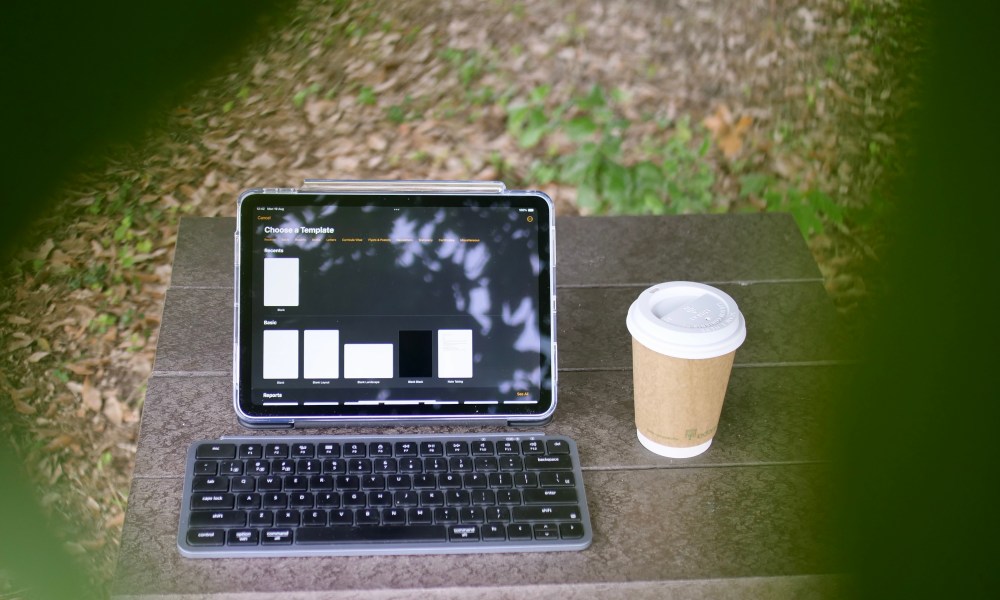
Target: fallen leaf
point(113, 410)
point(22, 393)
point(74, 548)
point(91, 396)
point(59, 442)
point(45, 249)
point(727, 134)
point(114, 521)
point(23, 407)
point(17, 320)
point(18, 344)
point(37, 356)
point(80, 369)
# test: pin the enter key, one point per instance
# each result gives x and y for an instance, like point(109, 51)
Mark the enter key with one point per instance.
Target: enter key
point(544, 496)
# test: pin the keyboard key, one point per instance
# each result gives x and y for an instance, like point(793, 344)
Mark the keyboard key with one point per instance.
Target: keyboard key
point(393, 516)
point(341, 517)
point(463, 533)
point(354, 450)
point(457, 448)
point(508, 447)
point(243, 537)
point(210, 484)
point(303, 450)
point(328, 450)
point(251, 451)
point(206, 537)
point(545, 531)
point(548, 463)
point(242, 484)
point(570, 531)
point(231, 467)
point(532, 447)
point(431, 449)
point(382, 534)
point(261, 518)
point(379, 449)
point(420, 516)
point(556, 479)
point(206, 467)
point(314, 518)
point(482, 448)
point(278, 536)
point(519, 531)
point(248, 501)
point(405, 449)
point(555, 496)
point(276, 451)
point(557, 447)
point(216, 451)
point(222, 518)
point(213, 502)
point(286, 518)
point(493, 532)
point(546, 513)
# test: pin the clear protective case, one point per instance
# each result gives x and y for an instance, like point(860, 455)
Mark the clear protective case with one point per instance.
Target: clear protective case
point(502, 402)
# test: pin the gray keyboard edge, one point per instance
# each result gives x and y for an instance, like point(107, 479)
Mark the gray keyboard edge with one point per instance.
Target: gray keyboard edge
point(374, 548)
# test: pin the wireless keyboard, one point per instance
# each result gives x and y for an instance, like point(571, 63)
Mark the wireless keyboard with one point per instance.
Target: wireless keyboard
point(357, 495)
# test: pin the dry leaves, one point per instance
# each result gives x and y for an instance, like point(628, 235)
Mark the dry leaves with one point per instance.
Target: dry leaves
point(727, 133)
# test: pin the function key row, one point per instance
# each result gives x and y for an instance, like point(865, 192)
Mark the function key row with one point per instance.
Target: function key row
point(222, 451)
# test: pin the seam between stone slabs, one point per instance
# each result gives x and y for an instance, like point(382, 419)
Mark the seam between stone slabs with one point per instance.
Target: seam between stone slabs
point(191, 374)
point(762, 365)
point(726, 465)
point(739, 282)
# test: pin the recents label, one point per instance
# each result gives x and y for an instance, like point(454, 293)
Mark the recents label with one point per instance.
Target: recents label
point(281, 282)
point(368, 361)
point(281, 354)
point(455, 353)
point(321, 354)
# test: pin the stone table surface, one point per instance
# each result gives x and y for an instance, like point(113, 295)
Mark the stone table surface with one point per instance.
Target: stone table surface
point(748, 518)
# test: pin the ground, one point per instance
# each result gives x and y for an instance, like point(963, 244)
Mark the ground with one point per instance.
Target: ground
point(609, 106)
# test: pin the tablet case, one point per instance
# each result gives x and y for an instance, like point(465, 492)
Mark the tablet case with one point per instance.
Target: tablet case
point(317, 342)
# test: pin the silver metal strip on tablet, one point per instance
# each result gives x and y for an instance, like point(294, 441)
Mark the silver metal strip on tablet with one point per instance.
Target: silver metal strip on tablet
point(375, 186)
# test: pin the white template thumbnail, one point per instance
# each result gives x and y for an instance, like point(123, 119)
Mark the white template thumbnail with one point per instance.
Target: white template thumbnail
point(281, 282)
point(455, 353)
point(321, 354)
point(368, 361)
point(281, 354)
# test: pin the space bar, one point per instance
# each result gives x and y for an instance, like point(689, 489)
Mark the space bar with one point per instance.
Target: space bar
point(384, 534)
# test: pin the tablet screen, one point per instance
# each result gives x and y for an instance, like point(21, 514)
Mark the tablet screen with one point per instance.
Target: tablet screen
point(394, 306)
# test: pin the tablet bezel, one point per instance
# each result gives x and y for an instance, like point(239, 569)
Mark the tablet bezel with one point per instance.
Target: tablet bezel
point(257, 416)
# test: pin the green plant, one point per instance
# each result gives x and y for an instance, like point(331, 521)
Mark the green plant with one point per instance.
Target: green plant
point(300, 97)
point(673, 178)
point(812, 209)
point(469, 64)
point(366, 96)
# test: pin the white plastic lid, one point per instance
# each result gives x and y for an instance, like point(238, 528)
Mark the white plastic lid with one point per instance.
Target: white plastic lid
point(684, 319)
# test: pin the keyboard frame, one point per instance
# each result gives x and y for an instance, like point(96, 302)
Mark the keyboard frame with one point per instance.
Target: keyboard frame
point(370, 548)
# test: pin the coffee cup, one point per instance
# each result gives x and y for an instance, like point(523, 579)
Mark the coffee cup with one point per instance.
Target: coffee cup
point(684, 338)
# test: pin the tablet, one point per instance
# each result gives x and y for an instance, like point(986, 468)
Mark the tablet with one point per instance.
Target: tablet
point(394, 302)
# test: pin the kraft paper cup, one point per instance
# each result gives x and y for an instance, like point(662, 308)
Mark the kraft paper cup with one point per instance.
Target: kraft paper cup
point(684, 337)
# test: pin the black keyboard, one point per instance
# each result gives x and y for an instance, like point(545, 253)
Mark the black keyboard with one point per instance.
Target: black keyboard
point(355, 495)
